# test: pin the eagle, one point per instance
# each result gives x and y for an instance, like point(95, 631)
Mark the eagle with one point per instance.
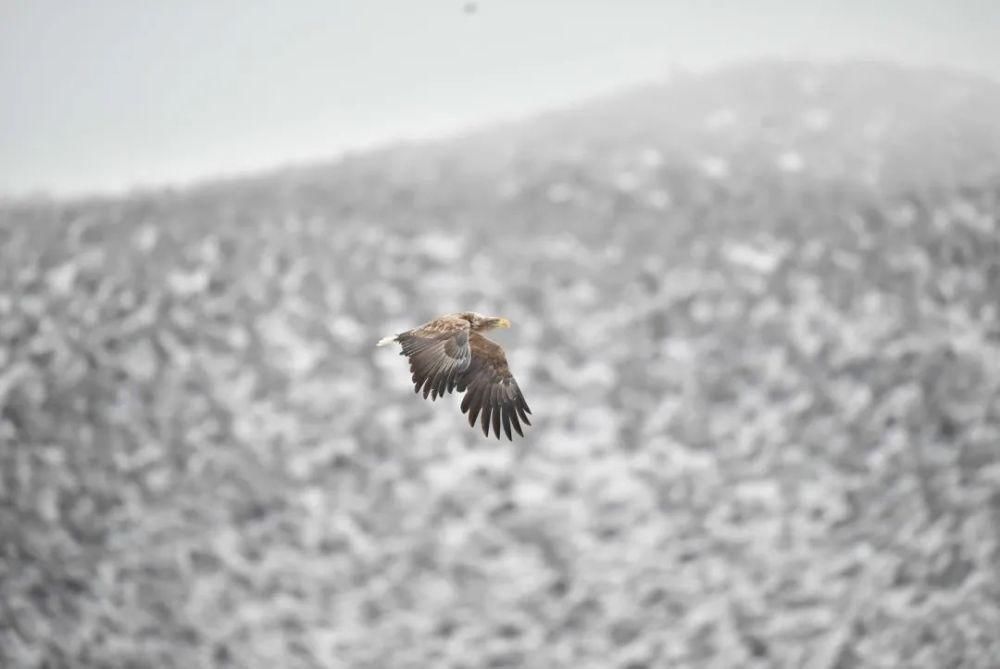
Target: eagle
point(451, 353)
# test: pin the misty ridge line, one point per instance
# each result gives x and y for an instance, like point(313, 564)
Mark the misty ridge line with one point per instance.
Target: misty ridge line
point(620, 101)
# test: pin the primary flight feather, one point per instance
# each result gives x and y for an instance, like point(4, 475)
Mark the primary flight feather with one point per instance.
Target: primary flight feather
point(451, 353)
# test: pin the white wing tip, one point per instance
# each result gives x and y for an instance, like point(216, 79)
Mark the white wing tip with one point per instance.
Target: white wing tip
point(385, 341)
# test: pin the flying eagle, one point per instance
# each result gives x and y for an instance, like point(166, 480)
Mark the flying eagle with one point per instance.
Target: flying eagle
point(451, 353)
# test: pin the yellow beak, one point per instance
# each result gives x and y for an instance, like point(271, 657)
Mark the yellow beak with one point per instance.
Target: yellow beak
point(503, 323)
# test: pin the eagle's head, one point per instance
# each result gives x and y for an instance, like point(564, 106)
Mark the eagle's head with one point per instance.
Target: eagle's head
point(480, 323)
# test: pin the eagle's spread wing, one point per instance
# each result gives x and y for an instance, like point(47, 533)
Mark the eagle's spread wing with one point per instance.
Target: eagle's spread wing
point(490, 389)
point(439, 353)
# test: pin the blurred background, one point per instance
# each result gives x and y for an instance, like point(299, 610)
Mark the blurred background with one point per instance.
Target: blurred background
point(752, 257)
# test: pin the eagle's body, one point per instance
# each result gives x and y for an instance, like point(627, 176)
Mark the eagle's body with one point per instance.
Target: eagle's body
point(451, 353)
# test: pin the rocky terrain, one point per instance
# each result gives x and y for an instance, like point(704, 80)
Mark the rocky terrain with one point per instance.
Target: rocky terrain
point(756, 315)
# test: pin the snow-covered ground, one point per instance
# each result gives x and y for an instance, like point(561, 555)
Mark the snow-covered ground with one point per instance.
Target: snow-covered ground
point(755, 315)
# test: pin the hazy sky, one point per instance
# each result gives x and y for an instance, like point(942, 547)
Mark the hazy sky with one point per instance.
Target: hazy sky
point(103, 95)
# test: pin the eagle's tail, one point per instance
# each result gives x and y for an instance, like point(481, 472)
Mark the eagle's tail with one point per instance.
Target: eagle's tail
point(385, 341)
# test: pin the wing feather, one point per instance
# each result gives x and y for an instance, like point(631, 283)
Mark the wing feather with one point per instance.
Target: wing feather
point(491, 392)
point(515, 423)
point(439, 353)
point(487, 405)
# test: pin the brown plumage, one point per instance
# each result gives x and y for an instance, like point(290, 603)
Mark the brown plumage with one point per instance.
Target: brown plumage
point(450, 353)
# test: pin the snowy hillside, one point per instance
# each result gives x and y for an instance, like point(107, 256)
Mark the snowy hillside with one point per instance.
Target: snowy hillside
point(756, 317)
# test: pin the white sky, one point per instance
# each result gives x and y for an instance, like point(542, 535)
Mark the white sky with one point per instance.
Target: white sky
point(109, 94)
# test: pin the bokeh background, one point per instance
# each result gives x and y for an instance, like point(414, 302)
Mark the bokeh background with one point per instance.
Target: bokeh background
point(756, 317)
